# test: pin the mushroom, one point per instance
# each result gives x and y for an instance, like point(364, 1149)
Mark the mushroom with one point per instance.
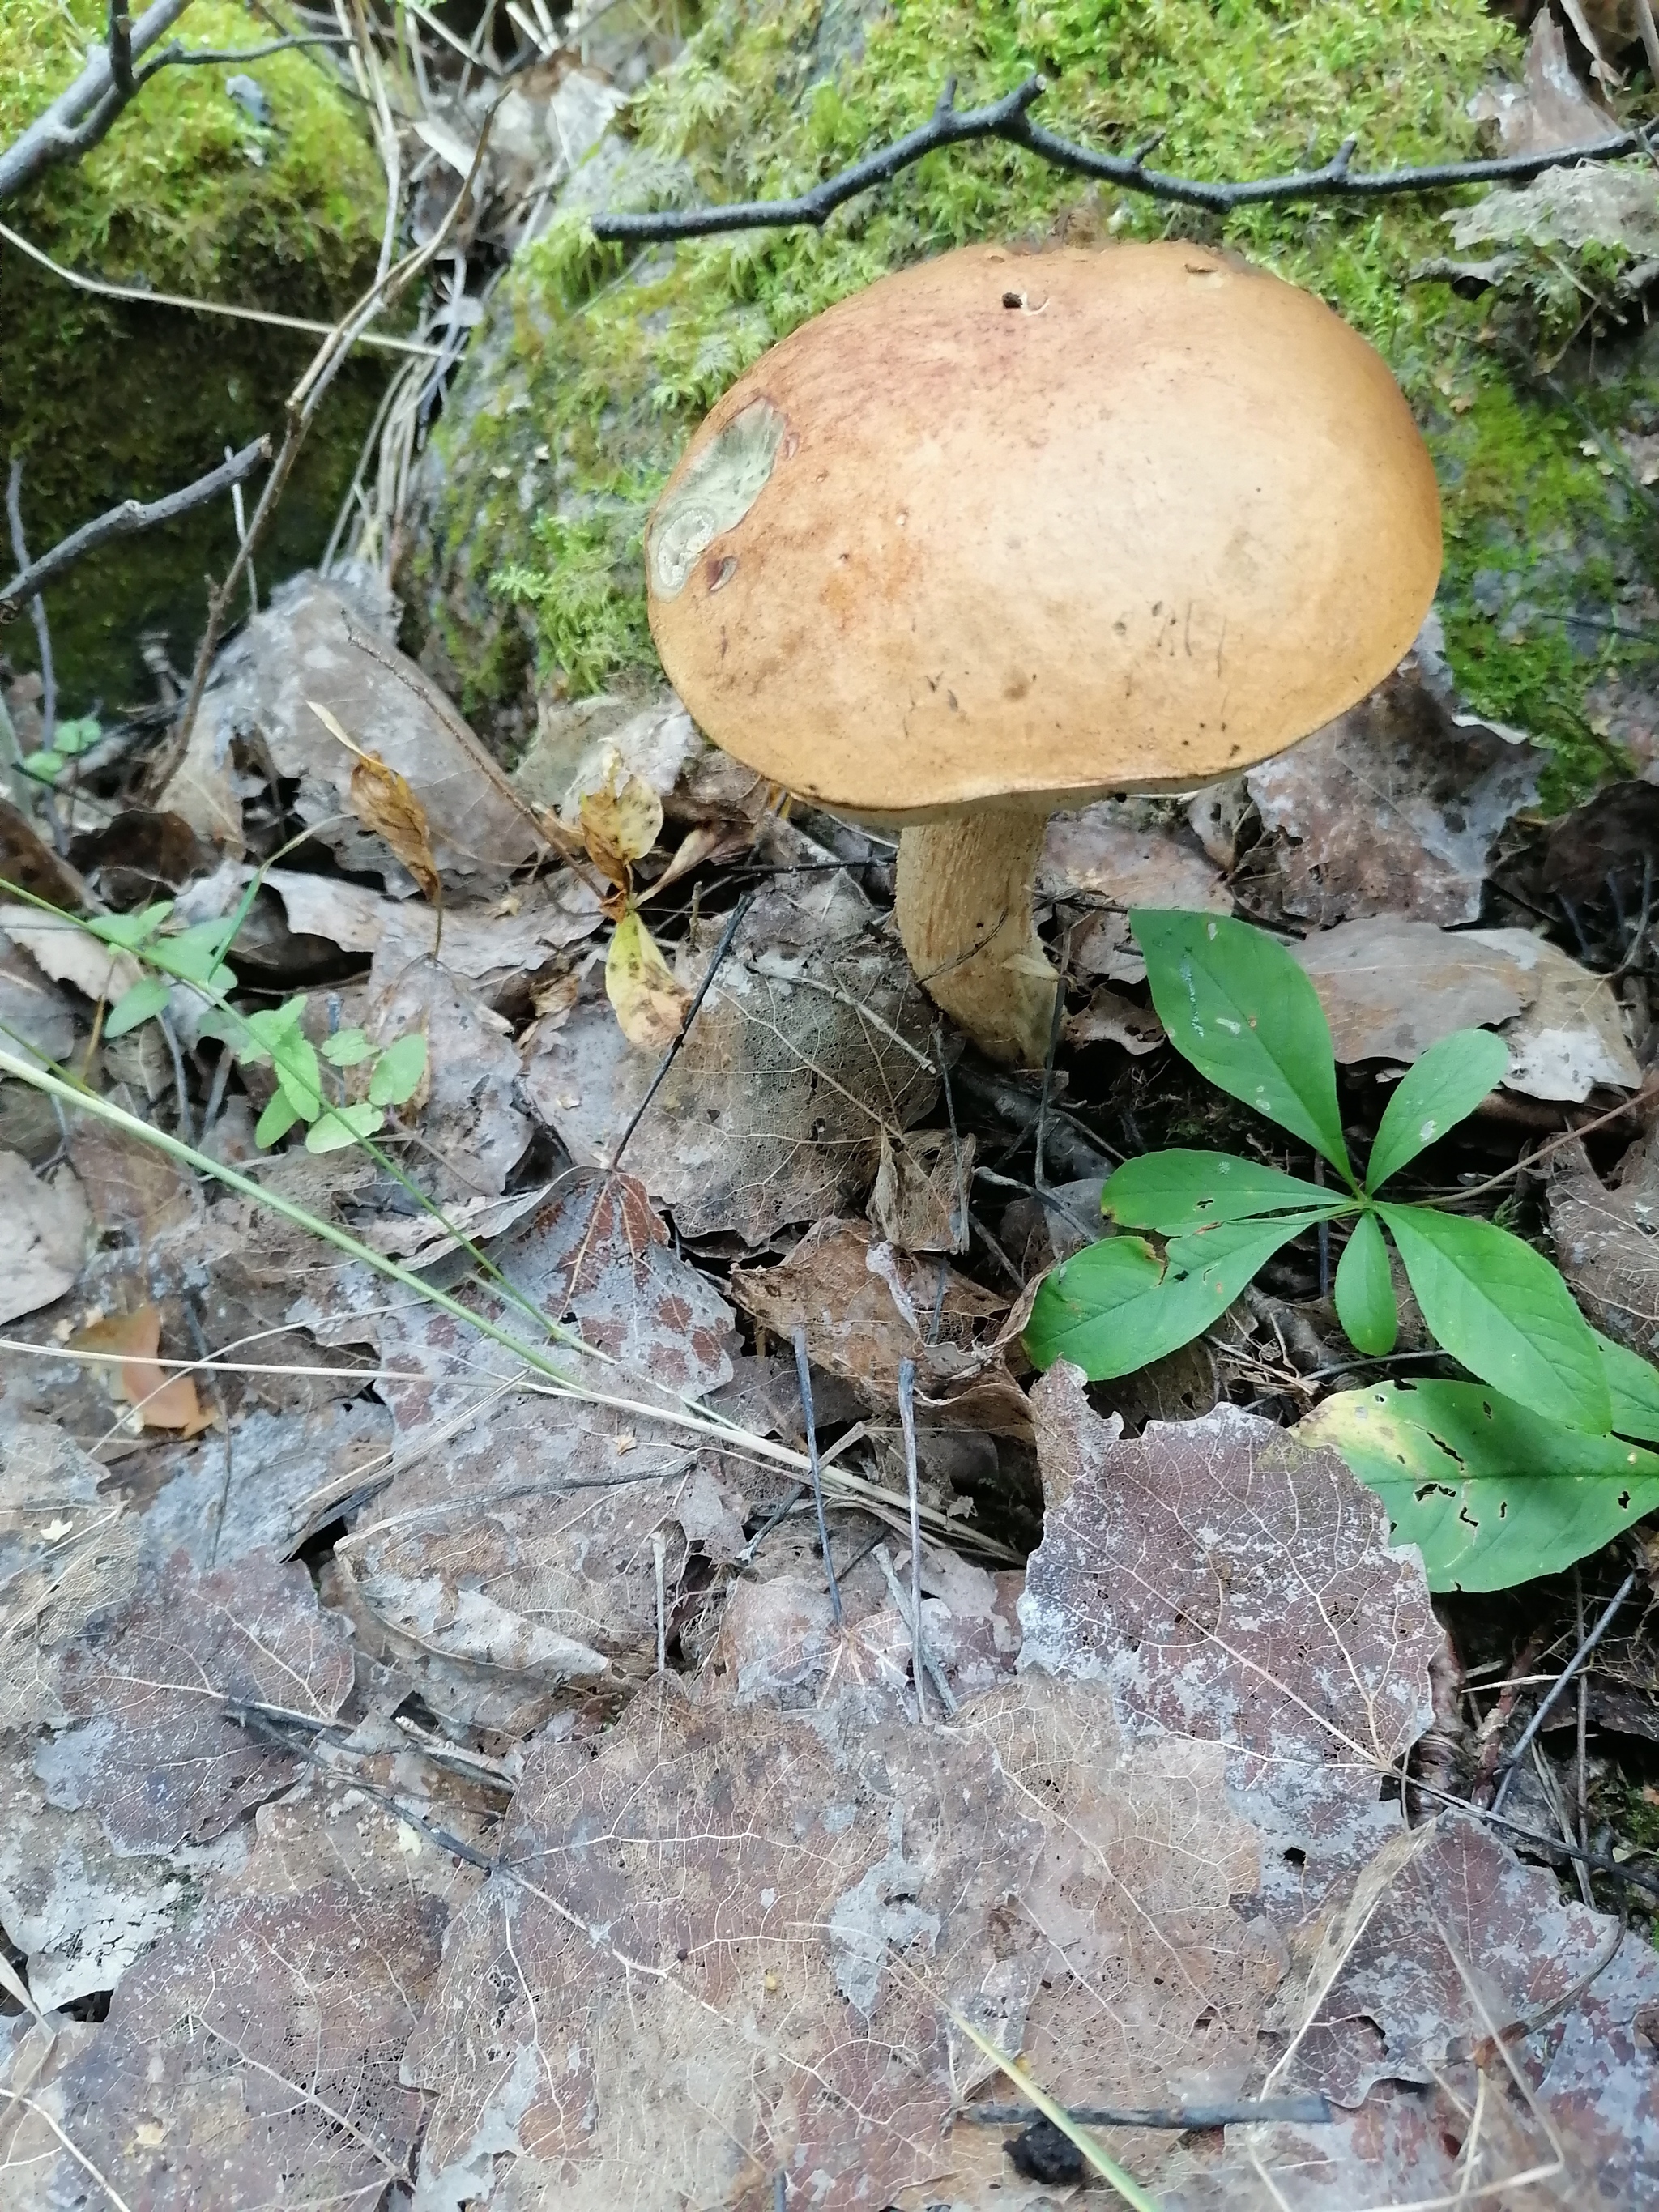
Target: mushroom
point(1012, 532)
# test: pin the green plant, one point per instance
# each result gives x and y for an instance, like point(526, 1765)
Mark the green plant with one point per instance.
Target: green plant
point(1236, 1005)
point(68, 740)
point(394, 1071)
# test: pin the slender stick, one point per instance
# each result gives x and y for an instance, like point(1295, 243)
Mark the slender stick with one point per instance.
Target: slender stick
point(673, 1052)
point(1009, 119)
point(907, 1404)
point(804, 1377)
point(130, 516)
point(1548, 1704)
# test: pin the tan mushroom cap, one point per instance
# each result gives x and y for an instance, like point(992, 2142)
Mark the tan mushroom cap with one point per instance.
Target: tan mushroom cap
point(1013, 524)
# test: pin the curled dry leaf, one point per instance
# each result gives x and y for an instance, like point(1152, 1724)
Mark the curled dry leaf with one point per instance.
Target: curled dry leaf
point(159, 1399)
point(1220, 1580)
point(249, 2061)
point(621, 821)
point(156, 1752)
point(384, 803)
point(640, 984)
point(920, 1202)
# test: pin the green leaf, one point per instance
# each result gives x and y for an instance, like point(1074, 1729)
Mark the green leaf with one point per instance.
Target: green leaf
point(45, 766)
point(300, 1077)
point(1434, 1095)
point(1115, 1306)
point(1238, 1007)
point(1174, 1190)
point(1365, 1291)
point(146, 998)
point(76, 737)
point(399, 1070)
point(346, 1048)
point(267, 1031)
point(1500, 1309)
point(195, 955)
point(130, 930)
point(277, 1120)
point(1490, 1494)
point(342, 1126)
point(1633, 1382)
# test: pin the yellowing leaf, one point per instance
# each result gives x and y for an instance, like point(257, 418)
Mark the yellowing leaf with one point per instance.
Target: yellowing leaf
point(650, 1005)
point(385, 802)
point(620, 823)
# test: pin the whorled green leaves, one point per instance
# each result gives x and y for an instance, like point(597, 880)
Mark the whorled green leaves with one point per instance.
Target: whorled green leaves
point(1241, 1009)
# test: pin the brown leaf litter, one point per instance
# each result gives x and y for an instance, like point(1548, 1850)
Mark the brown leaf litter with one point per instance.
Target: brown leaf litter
point(1606, 1240)
point(813, 1041)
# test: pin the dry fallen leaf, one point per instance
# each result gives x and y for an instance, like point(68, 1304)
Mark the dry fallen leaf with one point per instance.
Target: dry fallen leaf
point(1223, 1583)
point(65, 1551)
point(1391, 809)
point(383, 802)
point(813, 1040)
point(1131, 852)
point(156, 1753)
point(43, 1236)
point(160, 1401)
point(1606, 1242)
point(920, 1202)
point(621, 821)
point(1549, 108)
point(640, 984)
point(249, 2061)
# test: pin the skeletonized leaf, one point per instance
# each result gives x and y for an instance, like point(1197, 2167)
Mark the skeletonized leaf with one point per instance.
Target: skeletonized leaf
point(640, 984)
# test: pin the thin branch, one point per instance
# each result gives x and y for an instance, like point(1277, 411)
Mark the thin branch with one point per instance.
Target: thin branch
point(123, 521)
point(1547, 1703)
point(81, 115)
point(714, 968)
point(178, 56)
point(1009, 119)
point(98, 288)
point(1312, 2111)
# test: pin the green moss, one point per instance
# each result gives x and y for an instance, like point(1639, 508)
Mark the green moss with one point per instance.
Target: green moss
point(598, 364)
point(105, 401)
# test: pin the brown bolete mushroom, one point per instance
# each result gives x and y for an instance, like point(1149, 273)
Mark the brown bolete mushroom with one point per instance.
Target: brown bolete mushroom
point(1007, 533)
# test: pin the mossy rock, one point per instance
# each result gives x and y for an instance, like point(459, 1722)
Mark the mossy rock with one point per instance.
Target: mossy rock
point(595, 365)
point(104, 401)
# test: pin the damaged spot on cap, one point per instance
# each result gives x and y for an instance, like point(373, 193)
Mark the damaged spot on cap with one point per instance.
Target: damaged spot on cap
point(718, 490)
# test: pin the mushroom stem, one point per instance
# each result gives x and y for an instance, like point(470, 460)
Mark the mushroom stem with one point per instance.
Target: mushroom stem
point(964, 909)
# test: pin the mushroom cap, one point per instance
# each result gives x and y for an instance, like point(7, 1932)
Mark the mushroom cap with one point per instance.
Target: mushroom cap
point(1011, 525)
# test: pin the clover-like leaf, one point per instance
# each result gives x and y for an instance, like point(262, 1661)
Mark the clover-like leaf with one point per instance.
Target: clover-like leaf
point(146, 998)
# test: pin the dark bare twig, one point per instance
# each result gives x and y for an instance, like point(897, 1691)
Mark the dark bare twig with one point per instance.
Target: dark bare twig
point(906, 1408)
point(37, 605)
point(732, 926)
point(804, 1377)
point(1009, 119)
point(123, 521)
point(1546, 1704)
point(82, 114)
point(119, 43)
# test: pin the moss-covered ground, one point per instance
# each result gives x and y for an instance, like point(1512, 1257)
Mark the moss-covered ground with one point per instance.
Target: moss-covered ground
point(190, 194)
point(597, 364)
